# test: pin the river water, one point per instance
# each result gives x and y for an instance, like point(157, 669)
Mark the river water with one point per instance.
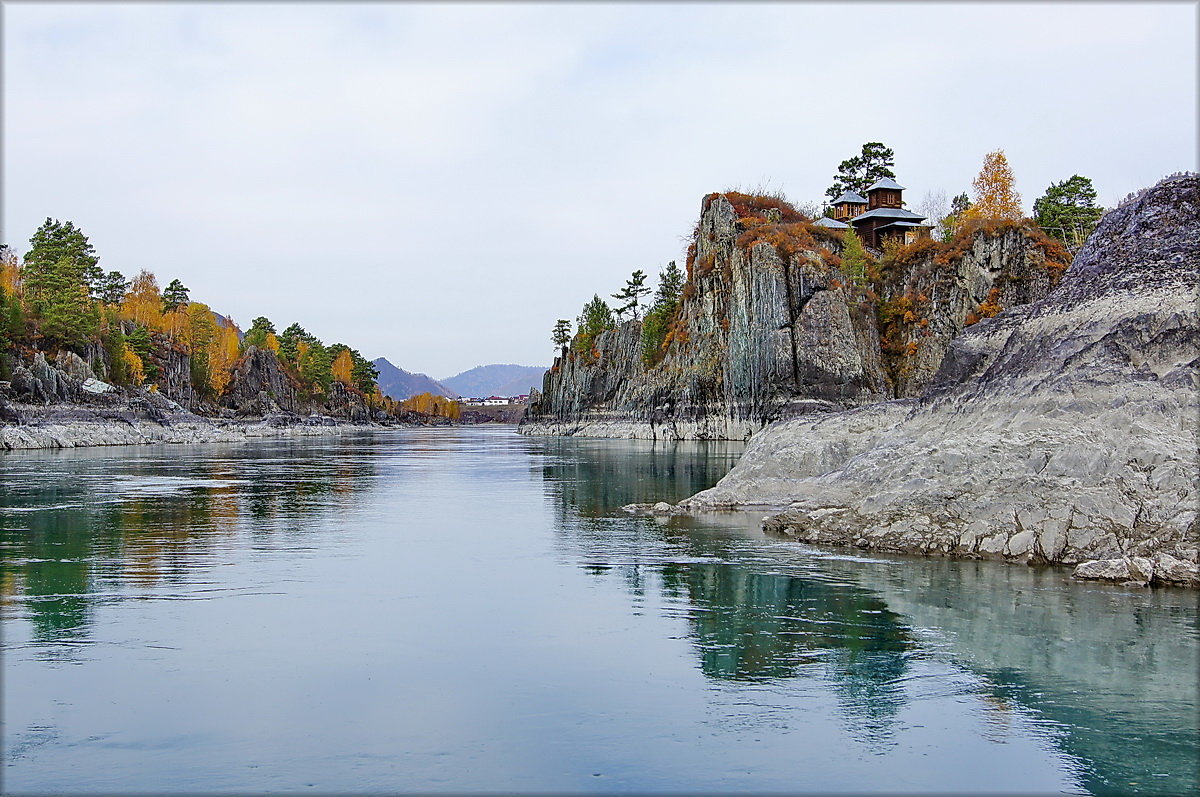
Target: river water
point(461, 610)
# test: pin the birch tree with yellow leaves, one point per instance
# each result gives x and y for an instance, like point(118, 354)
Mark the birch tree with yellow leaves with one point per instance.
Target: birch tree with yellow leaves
point(995, 196)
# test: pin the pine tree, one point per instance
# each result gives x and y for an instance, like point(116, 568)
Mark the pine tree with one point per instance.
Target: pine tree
point(260, 329)
point(111, 288)
point(561, 335)
point(995, 196)
point(596, 317)
point(670, 286)
point(61, 304)
point(63, 247)
point(1068, 211)
point(364, 373)
point(658, 318)
point(631, 295)
point(174, 296)
point(289, 343)
point(858, 173)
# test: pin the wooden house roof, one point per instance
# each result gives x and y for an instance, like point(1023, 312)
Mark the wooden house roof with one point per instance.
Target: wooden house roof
point(851, 197)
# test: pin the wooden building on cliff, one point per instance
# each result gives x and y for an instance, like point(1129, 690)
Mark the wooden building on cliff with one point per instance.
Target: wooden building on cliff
point(878, 217)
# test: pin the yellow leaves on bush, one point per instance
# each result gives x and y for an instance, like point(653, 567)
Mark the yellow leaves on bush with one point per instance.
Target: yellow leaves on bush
point(136, 372)
point(904, 255)
point(343, 368)
point(787, 238)
point(10, 274)
point(272, 342)
point(222, 357)
point(143, 303)
point(429, 404)
point(991, 305)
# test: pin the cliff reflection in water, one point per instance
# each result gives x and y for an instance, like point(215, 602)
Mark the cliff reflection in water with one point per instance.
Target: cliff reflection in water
point(1109, 674)
point(746, 624)
point(81, 523)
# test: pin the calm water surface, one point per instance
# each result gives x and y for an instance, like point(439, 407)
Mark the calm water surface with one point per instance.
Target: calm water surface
point(461, 611)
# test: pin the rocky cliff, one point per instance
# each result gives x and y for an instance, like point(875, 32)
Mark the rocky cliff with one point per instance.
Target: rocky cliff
point(771, 326)
point(1062, 431)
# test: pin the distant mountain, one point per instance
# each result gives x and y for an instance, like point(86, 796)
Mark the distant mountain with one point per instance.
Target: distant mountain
point(401, 384)
point(497, 380)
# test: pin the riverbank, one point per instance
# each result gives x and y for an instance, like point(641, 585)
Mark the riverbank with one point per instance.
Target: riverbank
point(74, 426)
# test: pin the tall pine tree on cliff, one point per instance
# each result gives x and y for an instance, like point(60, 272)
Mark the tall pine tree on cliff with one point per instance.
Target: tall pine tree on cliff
point(857, 173)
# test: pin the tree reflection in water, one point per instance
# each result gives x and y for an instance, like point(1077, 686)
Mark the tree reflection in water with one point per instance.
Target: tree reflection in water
point(747, 625)
point(102, 520)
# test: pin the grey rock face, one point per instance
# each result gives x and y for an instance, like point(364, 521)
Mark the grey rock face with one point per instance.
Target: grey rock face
point(71, 364)
point(175, 372)
point(767, 332)
point(1061, 431)
point(259, 386)
point(346, 404)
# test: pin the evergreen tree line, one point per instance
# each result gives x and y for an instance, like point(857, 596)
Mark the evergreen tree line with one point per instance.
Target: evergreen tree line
point(597, 316)
point(57, 297)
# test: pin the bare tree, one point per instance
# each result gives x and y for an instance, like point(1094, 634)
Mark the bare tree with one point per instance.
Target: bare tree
point(935, 207)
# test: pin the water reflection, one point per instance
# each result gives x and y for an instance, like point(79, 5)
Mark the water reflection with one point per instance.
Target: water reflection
point(77, 524)
point(1108, 674)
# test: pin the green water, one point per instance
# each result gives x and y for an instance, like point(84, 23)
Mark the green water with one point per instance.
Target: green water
point(462, 610)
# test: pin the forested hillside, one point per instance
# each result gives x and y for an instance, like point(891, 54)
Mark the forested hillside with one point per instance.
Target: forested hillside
point(57, 304)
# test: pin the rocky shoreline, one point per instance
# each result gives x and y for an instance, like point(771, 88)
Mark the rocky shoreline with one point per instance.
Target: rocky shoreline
point(1061, 432)
point(139, 423)
point(59, 402)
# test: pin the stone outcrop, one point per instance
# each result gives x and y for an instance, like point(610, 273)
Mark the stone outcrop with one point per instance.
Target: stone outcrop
point(1062, 431)
point(771, 327)
point(259, 386)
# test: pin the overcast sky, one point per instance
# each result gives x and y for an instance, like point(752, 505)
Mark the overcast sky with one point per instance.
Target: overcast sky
point(438, 183)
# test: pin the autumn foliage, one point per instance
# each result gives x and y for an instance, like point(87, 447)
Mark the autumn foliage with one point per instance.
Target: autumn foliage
point(58, 298)
point(995, 195)
point(429, 404)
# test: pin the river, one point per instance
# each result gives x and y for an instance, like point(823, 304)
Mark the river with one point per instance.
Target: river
point(462, 610)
